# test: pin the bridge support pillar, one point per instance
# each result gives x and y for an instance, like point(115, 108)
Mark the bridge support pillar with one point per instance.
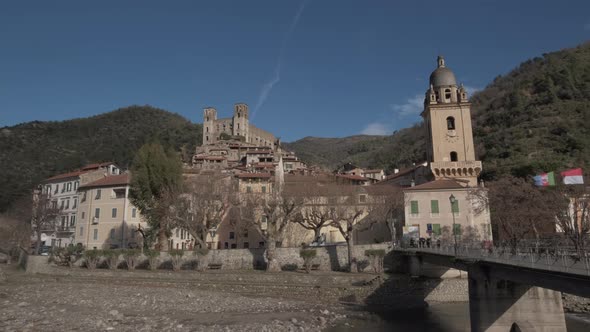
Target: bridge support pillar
point(501, 305)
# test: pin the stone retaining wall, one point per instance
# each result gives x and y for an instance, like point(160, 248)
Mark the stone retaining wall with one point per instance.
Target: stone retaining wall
point(329, 258)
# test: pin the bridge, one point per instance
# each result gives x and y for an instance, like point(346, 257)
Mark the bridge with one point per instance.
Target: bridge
point(510, 290)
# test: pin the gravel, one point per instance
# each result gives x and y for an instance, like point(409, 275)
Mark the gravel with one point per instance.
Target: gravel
point(63, 304)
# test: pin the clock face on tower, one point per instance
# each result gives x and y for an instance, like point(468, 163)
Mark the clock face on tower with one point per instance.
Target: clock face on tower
point(451, 136)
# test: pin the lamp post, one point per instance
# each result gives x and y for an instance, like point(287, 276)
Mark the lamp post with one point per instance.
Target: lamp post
point(452, 199)
point(212, 232)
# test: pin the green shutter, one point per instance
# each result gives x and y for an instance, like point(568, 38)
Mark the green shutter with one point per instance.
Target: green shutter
point(436, 229)
point(414, 207)
point(434, 206)
point(457, 230)
point(455, 206)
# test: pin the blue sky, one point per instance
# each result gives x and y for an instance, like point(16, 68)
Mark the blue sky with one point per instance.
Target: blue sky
point(326, 68)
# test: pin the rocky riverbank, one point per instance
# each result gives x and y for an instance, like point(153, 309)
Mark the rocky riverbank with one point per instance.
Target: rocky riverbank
point(575, 304)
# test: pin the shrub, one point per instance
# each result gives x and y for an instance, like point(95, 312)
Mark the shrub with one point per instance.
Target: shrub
point(376, 257)
point(152, 256)
point(67, 256)
point(176, 258)
point(92, 257)
point(130, 256)
point(111, 257)
point(308, 255)
point(202, 262)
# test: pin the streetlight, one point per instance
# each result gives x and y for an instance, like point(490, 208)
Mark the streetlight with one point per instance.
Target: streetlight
point(212, 232)
point(452, 199)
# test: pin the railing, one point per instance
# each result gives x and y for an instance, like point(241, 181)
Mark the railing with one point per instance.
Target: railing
point(559, 259)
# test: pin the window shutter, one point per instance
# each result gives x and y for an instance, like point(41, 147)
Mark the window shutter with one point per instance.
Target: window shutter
point(455, 207)
point(434, 206)
point(457, 230)
point(436, 229)
point(414, 207)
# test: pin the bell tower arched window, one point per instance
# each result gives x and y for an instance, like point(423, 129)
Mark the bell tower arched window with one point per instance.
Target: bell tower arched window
point(447, 94)
point(450, 123)
point(453, 156)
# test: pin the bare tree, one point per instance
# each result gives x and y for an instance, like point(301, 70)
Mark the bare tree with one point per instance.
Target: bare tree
point(518, 210)
point(386, 206)
point(43, 213)
point(203, 204)
point(14, 233)
point(573, 215)
point(270, 214)
point(316, 212)
point(346, 214)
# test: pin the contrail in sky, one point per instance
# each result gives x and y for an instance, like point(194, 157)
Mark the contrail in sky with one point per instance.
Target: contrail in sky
point(276, 77)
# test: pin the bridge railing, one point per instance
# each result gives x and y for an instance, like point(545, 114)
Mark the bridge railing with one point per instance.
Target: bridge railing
point(564, 259)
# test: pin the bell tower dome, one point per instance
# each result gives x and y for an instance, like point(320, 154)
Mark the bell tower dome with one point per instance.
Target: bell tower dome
point(447, 115)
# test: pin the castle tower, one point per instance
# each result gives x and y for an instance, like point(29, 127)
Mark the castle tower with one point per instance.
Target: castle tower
point(447, 115)
point(241, 124)
point(209, 132)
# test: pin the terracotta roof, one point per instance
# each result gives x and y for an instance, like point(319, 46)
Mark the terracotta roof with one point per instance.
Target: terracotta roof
point(373, 171)
point(438, 184)
point(259, 152)
point(96, 165)
point(110, 181)
point(353, 177)
point(65, 176)
point(214, 158)
point(254, 175)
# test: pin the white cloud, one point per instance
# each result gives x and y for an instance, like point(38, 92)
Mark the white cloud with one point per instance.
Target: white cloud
point(376, 128)
point(471, 89)
point(412, 106)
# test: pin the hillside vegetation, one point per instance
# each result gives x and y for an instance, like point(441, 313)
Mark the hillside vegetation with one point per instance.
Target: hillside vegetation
point(534, 119)
point(33, 151)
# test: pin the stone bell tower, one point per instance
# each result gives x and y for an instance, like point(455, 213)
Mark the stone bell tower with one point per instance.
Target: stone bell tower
point(447, 115)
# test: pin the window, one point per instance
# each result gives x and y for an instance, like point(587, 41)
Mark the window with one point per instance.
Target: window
point(95, 236)
point(261, 244)
point(56, 188)
point(118, 193)
point(436, 229)
point(453, 156)
point(246, 245)
point(72, 220)
point(64, 221)
point(457, 229)
point(75, 204)
point(68, 204)
point(246, 233)
point(450, 123)
point(133, 212)
point(76, 185)
point(97, 194)
point(414, 207)
point(62, 204)
point(69, 186)
point(83, 214)
point(434, 206)
point(362, 198)
point(112, 234)
point(83, 197)
point(455, 207)
point(447, 94)
point(248, 189)
point(263, 189)
point(232, 235)
point(97, 213)
point(114, 213)
point(226, 245)
point(81, 230)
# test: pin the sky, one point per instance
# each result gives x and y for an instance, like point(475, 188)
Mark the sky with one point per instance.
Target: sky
point(327, 68)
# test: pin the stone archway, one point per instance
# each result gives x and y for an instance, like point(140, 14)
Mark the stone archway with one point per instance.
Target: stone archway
point(515, 328)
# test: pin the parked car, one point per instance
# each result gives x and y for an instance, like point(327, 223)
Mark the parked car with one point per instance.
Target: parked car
point(45, 250)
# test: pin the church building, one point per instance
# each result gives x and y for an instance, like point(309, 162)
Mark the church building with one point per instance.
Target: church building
point(445, 203)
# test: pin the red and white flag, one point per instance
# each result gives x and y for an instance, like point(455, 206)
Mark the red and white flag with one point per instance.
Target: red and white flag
point(573, 176)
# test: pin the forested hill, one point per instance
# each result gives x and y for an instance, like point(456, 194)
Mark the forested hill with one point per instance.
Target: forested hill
point(33, 151)
point(535, 118)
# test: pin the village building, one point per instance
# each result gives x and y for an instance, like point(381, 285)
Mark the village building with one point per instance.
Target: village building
point(62, 190)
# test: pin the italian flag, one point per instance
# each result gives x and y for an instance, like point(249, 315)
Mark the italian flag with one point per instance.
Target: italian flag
point(573, 176)
point(545, 179)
